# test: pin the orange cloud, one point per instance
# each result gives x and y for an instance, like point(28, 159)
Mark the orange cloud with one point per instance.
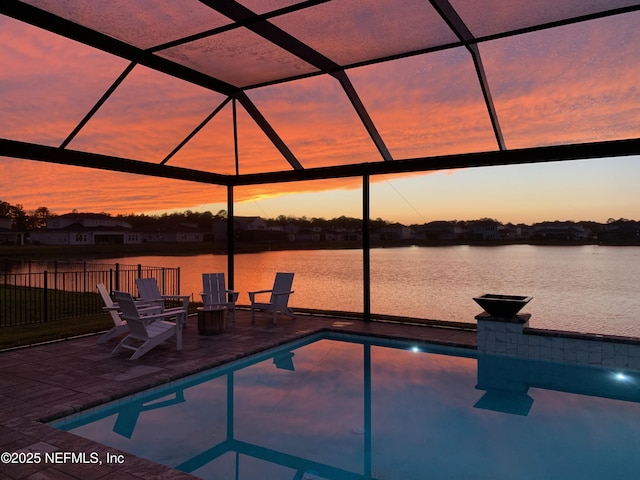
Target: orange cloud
point(147, 116)
point(568, 85)
point(314, 117)
point(48, 83)
point(64, 188)
point(427, 105)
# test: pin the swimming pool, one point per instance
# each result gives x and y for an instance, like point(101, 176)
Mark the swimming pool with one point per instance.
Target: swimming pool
point(347, 407)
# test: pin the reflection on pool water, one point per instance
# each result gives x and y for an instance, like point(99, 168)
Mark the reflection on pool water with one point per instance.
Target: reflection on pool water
point(343, 407)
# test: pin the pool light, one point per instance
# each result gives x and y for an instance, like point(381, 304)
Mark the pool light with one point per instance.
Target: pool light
point(621, 377)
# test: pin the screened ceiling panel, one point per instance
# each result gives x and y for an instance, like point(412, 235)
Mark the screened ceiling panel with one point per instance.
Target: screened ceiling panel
point(256, 153)
point(318, 122)
point(350, 32)
point(265, 6)
point(211, 149)
point(146, 117)
point(427, 105)
point(142, 23)
point(42, 97)
point(239, 57)
point(529, 77)
point(490, 17)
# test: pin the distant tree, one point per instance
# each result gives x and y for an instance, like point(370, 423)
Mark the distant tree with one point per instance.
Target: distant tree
point(19, 218)
point(378, 223)
point(4, 209)
point(319, 222)
point(39, 217)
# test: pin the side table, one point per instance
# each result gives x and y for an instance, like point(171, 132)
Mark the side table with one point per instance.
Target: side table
point(211, 320)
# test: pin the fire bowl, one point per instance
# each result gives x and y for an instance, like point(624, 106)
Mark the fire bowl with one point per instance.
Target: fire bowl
point(502, 305)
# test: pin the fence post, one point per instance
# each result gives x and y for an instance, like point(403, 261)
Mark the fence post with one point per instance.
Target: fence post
point(46, 297)
point(117, 276)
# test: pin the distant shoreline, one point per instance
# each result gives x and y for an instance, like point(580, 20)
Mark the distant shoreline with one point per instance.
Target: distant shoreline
point(84, 252)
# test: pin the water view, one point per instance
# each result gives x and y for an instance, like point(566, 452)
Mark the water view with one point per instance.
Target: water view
point(582, 288)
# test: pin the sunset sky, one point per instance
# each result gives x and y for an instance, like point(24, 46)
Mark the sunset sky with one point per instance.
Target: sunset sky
point(570, 84)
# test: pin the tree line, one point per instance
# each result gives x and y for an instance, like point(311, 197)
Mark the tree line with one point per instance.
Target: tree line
point(25, 221)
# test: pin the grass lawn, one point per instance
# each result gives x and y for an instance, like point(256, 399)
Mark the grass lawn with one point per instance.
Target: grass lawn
point(22, 335)
point(34, 333)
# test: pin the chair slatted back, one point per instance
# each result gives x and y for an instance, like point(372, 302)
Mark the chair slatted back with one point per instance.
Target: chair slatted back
point(130, 314)
point(282, 283)
point(149, 291)
point(106, 298)
point(214, 290)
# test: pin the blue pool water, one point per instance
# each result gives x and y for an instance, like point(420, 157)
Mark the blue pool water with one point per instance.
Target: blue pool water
point(341, 407)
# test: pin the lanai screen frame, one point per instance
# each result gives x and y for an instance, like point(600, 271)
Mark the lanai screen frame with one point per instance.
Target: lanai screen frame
point(262, 26)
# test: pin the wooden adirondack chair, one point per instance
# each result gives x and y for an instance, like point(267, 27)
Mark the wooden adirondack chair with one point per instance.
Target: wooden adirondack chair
point(120, 327)
point(215, 293)
point(279, 298)
point(147, 326)
point(149, 292)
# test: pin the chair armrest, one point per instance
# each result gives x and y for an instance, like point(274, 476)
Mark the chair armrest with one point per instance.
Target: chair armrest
point(185, 299)
point(173, 297)
point(172, 312)
point(283, 293)
point(149, 310)
point(252, 295)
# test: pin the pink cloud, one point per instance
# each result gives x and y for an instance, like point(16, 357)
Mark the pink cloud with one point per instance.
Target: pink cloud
point(571, 84)
point(314, 117)
point(427, 105)
point(64, 188)
point(51, 84)
point(147, 116)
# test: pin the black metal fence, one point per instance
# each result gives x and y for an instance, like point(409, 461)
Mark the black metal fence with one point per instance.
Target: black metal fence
point(43, 292)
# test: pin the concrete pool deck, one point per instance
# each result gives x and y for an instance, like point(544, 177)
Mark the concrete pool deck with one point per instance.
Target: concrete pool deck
point(50, 381)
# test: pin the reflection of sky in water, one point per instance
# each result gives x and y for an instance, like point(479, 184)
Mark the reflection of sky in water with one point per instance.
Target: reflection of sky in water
point(314, 418)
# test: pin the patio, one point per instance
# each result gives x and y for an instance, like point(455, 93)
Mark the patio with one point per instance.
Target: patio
point(54, 380)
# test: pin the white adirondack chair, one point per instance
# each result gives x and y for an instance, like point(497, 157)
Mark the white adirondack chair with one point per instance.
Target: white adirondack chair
point(120, 327)
point(215, 293)
point(149, 292)
point(278, 300)
point(147, 326)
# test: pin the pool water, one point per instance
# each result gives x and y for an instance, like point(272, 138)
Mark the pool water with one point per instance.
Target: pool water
point(346, 407)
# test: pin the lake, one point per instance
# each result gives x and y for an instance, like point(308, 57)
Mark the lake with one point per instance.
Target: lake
point(580, 288)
